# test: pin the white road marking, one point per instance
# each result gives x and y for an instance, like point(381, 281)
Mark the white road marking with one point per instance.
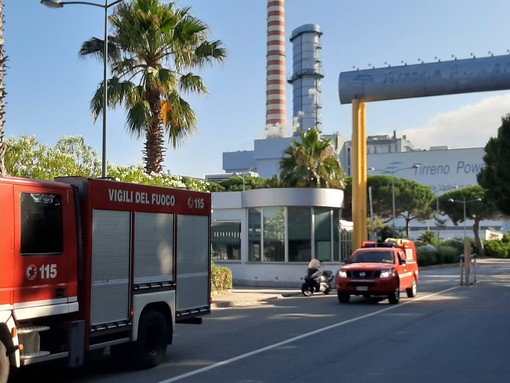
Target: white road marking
point(285, 342)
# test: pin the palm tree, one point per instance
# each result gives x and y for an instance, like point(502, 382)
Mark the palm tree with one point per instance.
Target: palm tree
point(311, 162)
point(3, 59)
point(152, 53)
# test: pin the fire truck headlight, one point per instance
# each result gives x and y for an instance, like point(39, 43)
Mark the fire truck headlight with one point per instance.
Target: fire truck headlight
point(387, 273)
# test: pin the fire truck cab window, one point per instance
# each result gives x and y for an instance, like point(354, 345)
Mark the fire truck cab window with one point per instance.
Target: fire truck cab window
point(41, 224)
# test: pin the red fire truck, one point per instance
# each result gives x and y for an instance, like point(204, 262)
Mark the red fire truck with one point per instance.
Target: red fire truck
point(88, 264)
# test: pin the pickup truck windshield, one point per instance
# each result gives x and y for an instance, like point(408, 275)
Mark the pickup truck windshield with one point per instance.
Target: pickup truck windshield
point(373, 257)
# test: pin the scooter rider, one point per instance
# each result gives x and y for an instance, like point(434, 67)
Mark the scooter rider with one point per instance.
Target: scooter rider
point(313, 273)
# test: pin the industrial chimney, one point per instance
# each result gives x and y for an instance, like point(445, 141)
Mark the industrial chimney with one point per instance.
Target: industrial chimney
point(306, 77)
point(276, 112)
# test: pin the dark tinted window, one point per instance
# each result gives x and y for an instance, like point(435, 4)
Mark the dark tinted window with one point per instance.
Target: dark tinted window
point(41, 224)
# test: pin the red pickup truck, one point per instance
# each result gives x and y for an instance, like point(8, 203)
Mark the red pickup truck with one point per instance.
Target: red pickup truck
point(380, 269)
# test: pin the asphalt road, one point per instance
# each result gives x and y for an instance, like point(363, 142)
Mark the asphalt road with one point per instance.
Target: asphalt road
point(448, 333)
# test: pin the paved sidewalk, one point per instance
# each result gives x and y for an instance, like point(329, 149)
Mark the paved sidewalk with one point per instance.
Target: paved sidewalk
point(250, 296)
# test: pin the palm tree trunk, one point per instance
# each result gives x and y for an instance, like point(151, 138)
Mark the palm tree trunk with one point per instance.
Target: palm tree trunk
point(154, 149)
point(3, 93)
point(154, 144)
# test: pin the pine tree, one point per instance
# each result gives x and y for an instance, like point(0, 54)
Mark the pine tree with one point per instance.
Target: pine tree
point(495, 176)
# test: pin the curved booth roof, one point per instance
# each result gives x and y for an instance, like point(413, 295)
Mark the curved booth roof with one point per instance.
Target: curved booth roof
point(279, 197)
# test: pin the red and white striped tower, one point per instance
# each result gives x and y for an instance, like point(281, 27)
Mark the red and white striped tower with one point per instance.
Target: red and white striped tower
point(276, 101)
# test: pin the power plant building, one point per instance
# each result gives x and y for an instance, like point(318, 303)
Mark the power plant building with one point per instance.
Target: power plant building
point(267, 236)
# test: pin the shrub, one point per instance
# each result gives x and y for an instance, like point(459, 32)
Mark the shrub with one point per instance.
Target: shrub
point(456, 243)
point(221, 278)
point(427, 256)
point(497, 249)
point(449, 254)
point(428, 237)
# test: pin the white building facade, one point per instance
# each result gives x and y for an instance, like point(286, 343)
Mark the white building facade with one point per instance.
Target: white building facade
point(440, 168)
point(268, 236)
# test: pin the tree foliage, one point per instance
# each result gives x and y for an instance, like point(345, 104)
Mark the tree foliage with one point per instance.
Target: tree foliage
point(412, 200)
point(470, 203)
point(248, 182)
point(71, 156)
point(495, 176)
point(311, 162)
point(153, 53)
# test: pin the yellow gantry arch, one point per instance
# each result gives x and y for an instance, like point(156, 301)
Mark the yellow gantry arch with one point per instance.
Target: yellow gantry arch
point(408, 81)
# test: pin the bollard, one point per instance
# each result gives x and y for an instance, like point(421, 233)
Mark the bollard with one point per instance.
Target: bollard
point(475, 266)
point(461, 259)
point(467, 262)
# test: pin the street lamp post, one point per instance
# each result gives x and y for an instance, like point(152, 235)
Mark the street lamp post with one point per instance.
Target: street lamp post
point(464, 203)
point(392, 172)
point(393, 200)
point(240, 176)
point(106, 6)
point(438, 212)
point(466, 261)
point(437, 219)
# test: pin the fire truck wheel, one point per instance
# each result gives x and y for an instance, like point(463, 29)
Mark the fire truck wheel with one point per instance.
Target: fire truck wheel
point(394, 297)
point(119, 353)
point(4, 364)
point(150, 348)
point(411, 292)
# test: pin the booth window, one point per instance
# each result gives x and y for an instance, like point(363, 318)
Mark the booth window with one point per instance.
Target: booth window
point(226, 241)
point(323, 233)
point(300, 234)
point(254, 234)
point(274, 234)
point(293, 234)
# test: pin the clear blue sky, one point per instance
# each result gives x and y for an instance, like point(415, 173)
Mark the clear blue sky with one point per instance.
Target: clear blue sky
point(49, 87)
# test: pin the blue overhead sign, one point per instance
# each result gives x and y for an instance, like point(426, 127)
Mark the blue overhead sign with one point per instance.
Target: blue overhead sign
point(427, 79)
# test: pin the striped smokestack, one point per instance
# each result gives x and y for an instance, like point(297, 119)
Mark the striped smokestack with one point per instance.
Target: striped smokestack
point(276, 113)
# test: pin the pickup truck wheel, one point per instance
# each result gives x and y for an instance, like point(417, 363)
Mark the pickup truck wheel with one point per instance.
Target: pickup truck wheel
point(411, 292)
point(4, 364)
point(394, 297)
point(343, 297)
point(150, 348)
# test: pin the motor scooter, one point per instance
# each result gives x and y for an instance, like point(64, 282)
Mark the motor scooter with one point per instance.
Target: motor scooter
point(317, 280)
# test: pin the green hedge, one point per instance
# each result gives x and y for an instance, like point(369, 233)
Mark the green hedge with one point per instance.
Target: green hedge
point(221, 278)
point(428, 256)
point(497, 249)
